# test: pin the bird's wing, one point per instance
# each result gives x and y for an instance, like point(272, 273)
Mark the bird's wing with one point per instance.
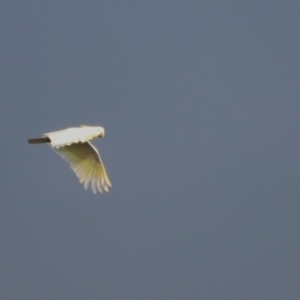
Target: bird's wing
point(69, 136)
point(85, 161)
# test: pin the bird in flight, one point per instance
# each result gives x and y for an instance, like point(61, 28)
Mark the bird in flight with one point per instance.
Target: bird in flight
point(73, 145)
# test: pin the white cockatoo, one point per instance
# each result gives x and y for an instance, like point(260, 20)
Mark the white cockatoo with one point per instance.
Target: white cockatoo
point(73, 145)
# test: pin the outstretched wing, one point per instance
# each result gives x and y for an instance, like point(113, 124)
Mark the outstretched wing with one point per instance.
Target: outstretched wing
point(70, 136)
point(85, 161)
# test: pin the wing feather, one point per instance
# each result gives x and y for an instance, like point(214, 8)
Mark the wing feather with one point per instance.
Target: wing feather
point(70, 136)
point(86, 163)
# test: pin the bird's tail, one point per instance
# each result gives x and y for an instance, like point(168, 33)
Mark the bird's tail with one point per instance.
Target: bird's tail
point(39, 140)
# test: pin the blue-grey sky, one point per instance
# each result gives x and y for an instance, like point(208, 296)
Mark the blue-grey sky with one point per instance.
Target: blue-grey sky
point(201, 105)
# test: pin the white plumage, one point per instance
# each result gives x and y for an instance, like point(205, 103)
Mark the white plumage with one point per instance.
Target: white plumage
point(73, 145)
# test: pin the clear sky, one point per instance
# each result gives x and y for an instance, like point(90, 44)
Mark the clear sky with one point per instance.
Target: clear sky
point(201, 105)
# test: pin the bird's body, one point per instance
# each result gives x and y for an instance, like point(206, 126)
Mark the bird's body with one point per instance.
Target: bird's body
point(73, 145)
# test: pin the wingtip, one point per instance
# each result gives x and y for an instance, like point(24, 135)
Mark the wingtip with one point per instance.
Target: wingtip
point(38, 140)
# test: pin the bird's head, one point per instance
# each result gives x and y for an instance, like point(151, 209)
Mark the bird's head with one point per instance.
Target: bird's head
point(101, 132)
